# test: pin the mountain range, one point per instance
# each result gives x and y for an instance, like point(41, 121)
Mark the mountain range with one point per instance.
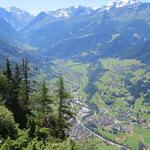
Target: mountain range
point(119, 29)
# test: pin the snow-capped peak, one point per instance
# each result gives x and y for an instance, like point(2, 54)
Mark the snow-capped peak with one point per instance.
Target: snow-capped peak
point(19, 13)
point(72, 11)
point(59, 13)
point(128, 2)
point(120, 3)
point(15, 10)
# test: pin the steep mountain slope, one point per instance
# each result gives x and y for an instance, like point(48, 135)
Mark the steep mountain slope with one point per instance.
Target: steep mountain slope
point(16, 52)
point(16, 17)
point(7, 32)
point(143, 52)
point(119, 29)
point(9, 51)
point(80, 32)
point(12, 45)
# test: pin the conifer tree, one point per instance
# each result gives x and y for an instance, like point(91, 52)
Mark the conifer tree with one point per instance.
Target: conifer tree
point(12, 97)
point(17, 96)
point(64, 110)
point(44, 108)
point(19, 114)
point(44, 96)
point(16, 82)
point(3, 88)
point(25, 72)
point(8, 74)
point(8, 71)
point(24, 93)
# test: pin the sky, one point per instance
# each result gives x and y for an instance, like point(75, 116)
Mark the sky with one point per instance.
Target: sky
point(36, 6)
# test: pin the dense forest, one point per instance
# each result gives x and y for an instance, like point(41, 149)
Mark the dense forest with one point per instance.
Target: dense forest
point(32, 117)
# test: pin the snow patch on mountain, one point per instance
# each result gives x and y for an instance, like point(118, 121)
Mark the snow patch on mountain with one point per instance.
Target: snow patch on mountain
point(120, 3)
point(17, 17)
point(72, 11)
point(59, 13)
point(17, 11)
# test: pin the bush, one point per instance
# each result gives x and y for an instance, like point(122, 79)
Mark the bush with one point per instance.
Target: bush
point(43, 134)
point(7, 145)
point(17, 144)
point(35, 145)
point(8, 127)
point(22, 140)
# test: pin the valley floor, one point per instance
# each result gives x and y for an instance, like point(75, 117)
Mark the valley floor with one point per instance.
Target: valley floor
point(111, 108)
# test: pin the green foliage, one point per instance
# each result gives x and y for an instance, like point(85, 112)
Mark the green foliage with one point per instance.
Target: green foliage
point(64, 111)
point(15, 91)
point(20, 142)
point(34, 145)
point(3, 87)
point(22, 139)
point(43, 134)
point(7, 145)
point(42, 98)
point(8, 128)
point(44, 95)
point(42, 104)
point(11, 92)
point(32, 127)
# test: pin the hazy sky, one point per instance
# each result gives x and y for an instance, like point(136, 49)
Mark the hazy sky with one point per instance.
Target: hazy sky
point(35, 6)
